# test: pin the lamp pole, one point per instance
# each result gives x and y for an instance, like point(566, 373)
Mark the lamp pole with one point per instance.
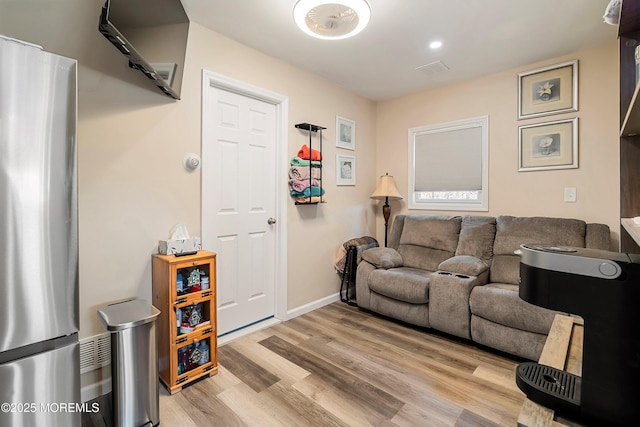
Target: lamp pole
point(386, 211)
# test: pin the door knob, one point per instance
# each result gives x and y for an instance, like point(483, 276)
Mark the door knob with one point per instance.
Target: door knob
point(271, 221)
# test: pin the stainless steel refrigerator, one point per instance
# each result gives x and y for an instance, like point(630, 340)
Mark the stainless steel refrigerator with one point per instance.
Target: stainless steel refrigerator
point(39, 353)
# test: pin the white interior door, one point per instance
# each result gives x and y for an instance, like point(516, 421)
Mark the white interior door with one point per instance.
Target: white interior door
point(239, 204)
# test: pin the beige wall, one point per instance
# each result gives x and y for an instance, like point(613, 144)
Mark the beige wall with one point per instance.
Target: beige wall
point(314, 232)
point(512, 192)
point(132, 139)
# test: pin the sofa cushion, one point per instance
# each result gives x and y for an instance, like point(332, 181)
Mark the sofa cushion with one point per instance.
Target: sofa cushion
point(511, 232)
point(427, 240)
point(382, 257)
point(404, 284)
point(477, 234)
point(500, 303)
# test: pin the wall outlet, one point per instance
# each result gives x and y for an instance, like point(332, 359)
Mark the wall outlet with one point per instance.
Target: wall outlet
point(570, 194)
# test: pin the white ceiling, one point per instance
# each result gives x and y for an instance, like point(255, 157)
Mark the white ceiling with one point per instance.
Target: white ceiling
point(479, 36)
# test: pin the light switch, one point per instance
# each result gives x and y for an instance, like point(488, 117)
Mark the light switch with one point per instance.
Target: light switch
point(570, 194)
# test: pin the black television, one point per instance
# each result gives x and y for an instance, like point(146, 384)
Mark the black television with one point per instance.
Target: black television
point(152, 34)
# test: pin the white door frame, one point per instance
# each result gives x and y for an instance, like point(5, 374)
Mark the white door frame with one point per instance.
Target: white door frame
point(281, 103)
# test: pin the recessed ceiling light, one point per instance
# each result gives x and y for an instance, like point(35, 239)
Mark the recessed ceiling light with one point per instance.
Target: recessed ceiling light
point(435, 44)
point(332, 19)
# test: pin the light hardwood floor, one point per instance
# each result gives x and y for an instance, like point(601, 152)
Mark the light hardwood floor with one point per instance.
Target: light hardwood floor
point(340, 366)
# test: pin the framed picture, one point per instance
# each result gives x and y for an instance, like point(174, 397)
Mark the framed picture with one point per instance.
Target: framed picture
point(346, 169)
point(549, 90)
point(345, 133)
point(550, 145)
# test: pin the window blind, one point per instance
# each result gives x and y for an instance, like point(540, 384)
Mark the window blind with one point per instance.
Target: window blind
point(449, 161)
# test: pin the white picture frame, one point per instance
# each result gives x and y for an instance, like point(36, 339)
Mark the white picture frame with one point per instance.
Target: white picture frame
point(345, 169)
point(345, 133)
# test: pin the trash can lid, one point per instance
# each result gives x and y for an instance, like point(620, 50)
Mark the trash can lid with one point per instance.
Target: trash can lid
point(128, 314)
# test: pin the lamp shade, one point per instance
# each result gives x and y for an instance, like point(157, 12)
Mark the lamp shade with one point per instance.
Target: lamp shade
point(386, 188)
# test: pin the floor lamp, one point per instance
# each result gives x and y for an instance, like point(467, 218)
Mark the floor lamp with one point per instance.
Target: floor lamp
point(386, 190)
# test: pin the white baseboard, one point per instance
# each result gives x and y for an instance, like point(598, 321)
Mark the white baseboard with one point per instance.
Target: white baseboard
point(247, 330)
point(298, 311)
point(314, 305)
point(93, 385)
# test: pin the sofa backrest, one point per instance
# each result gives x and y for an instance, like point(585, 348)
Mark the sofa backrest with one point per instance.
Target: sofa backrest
point(598, 237)
point(511, 232)
point(393, 238)
point(426, 240)
point(476, 237)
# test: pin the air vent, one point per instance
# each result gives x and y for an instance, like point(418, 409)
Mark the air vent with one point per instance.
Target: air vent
point(433, 68)
point(95, 352)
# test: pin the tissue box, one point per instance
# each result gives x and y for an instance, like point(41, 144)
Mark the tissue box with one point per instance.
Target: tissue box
point(179, 247)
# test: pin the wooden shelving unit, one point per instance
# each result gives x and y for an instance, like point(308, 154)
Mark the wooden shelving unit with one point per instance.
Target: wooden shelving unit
point(187, 323)
point(631, 228)
point(631, 123)
point(629, 38)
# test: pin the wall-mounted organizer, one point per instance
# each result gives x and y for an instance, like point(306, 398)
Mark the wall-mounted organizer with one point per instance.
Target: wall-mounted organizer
point(305, 173)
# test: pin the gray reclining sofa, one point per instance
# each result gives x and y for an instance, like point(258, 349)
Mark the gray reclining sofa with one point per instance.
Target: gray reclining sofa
point(460, 275)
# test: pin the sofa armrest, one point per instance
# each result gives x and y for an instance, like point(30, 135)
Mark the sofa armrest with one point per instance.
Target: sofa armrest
point(383, 257)
point(465, 265)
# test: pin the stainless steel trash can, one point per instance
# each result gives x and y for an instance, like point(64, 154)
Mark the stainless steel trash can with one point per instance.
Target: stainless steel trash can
point(134, 362)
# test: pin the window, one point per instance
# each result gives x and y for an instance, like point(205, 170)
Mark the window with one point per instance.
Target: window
point(448, 166)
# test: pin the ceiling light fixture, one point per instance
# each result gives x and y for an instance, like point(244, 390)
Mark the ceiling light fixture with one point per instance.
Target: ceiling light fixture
point(332, 20)
point(435, 44)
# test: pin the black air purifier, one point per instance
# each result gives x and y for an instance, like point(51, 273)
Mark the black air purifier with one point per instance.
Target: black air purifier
point(604, 289)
